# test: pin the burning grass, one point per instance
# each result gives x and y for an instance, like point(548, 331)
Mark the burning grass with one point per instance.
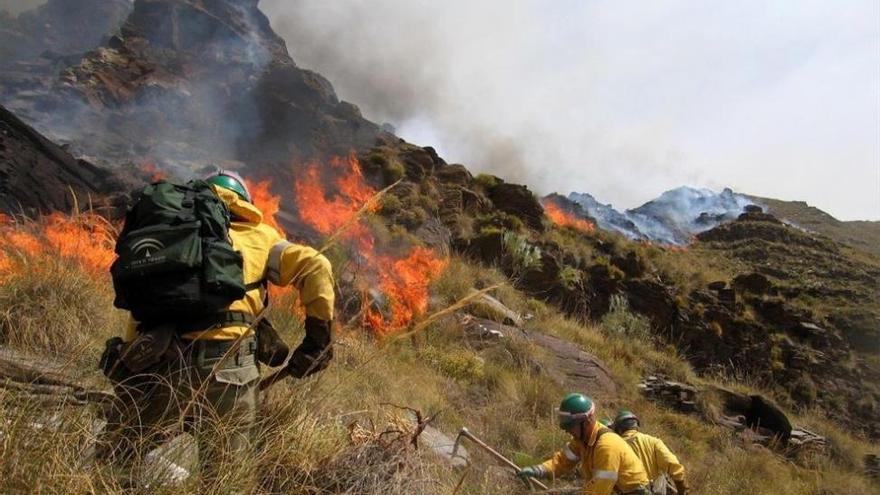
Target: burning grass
point(564, 218)
point(86, 239)
point(305, 431)
point(333, 207)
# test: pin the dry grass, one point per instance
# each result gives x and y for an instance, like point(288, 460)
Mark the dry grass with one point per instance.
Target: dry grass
point(305, 444)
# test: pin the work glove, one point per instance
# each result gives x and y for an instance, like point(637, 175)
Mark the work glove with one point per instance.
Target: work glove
point(271, 348)
point(315, 351)
point(681, 487)
point(530, 472)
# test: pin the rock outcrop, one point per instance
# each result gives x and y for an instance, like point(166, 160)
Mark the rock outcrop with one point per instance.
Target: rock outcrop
point(37, 176)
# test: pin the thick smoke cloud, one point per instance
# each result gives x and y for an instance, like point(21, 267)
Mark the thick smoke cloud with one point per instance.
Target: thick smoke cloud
point(16, 7)
point(622, 100)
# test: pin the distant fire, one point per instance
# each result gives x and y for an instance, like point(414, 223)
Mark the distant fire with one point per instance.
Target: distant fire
point(86, 239)
point(563, 218)
point(154, 172)
point(404, 281)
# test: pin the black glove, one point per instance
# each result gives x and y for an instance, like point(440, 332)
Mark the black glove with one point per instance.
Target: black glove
point(681, 487)
point(271, 348)
point(315, 351)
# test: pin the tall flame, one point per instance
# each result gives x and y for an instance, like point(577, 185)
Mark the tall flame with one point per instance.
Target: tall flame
point(405, 283)
point(266, 202)
point(563, 218)
point(86, 239)
point(402, 280)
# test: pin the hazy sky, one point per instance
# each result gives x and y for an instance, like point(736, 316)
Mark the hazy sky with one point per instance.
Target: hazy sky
point(18, 6)
point(620, 99)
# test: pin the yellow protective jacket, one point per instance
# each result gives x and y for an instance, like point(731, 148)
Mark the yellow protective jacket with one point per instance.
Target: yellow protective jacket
point(655, 455)
point(606, 463)
point(268, 255)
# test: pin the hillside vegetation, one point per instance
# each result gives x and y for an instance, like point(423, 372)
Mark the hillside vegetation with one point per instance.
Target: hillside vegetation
point(861, 234)
point(346, 430)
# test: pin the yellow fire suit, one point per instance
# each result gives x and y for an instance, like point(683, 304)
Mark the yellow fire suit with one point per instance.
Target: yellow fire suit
point(655, 456)
point(267, 254)
point(606, 461)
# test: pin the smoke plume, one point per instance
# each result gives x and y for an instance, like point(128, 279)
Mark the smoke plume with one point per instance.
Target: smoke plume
point(623, 100)
point(16, 7)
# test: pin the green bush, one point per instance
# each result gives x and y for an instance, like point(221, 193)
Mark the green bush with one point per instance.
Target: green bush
point(621, 321)
point(523, 255)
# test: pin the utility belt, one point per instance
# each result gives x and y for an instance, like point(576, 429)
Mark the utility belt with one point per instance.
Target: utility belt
point(211, 350)
point(215, 321)
point(154, 342)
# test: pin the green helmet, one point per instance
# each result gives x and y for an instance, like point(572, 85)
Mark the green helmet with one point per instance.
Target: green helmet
point(625, 420)
point(228, 179)
point(606, 422)
point(574, 409)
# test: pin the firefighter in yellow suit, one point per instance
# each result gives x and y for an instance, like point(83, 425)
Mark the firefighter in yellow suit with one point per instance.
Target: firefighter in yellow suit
point(658, 460)
point(608, 465)
point(210, 371)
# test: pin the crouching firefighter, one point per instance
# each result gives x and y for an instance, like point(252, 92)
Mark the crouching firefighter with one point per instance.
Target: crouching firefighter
point(607, 463)
point(658, 460)
point(192, 267)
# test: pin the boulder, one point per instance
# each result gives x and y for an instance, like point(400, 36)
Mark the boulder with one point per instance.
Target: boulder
point(754, 283)
point(654, 300)
point(517, 200)
point(436, 236)
point(565, 363)
point(454, 174)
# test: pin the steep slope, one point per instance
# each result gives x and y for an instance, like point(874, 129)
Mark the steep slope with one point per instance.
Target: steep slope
point(76, 27)
point(36, 175)
point(196, 83)
point(188, 83)
point(864, 235)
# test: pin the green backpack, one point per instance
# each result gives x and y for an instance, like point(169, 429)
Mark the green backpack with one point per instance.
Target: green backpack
point(175, 260)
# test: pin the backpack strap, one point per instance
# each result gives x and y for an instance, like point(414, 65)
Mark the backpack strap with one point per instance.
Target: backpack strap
point(259, 284)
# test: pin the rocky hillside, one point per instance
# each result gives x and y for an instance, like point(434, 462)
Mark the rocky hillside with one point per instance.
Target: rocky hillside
point(187, 84)
point(36, 175)
point(864, 235)
point(179, 83)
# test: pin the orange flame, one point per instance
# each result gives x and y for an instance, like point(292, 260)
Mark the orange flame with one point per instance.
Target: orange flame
point(86, 239)
point(155, 173)
point(404, 281)
point(327, 215)
point(563, 218)
point(266, 202)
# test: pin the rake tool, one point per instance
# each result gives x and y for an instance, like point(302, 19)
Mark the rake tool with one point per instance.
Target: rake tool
point(465, 433)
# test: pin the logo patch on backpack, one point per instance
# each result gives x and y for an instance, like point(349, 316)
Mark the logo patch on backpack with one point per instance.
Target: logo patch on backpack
point(175, 259)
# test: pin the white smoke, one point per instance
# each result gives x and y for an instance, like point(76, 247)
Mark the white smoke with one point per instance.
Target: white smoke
point(16, 7)
point(621, 99)
point(672, 218)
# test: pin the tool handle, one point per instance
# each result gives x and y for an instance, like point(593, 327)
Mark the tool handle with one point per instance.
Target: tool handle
point(497, 455)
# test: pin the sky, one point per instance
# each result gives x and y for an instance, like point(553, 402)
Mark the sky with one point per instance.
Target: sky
point(624, 99)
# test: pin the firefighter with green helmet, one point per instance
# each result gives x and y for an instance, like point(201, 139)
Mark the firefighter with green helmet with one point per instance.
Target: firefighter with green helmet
point(190, 351)
point(658, 460)
point(608, 465)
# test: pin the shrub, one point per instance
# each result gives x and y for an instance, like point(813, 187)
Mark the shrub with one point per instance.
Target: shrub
point(523, 255)
point(621, 321)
